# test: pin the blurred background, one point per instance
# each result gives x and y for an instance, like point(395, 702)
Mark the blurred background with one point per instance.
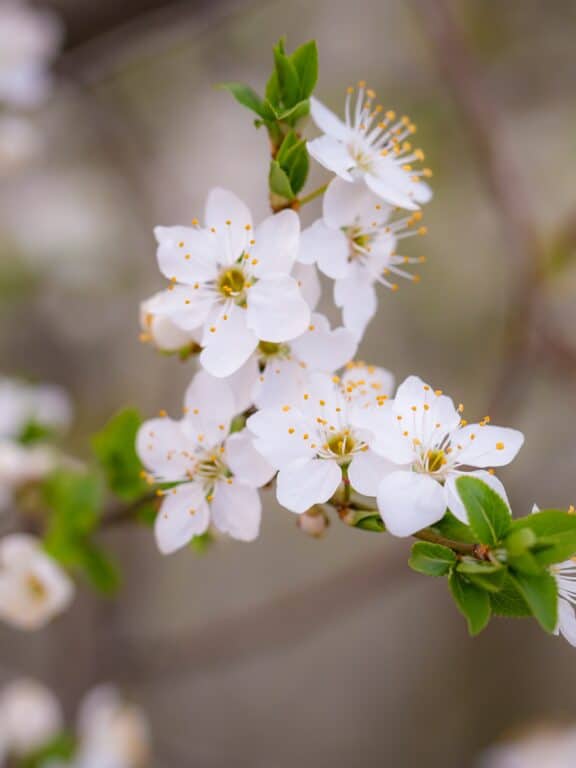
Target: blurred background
point(293, 651)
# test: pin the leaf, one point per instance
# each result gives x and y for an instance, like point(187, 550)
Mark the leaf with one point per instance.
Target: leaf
point(553, 532)
point(273, 90)
point(541, 594)
point(98, 568)
point(290, 141)
point(472, 601)
point(431, 559)
point(488, 513)
point(370, 522)
point(509, 602)
point(288, 80)
point(247, 97)
point(279, 182)
point(33, 433)
point(60, 748)
point(547, 522)
point(295, 113)
point(297, 166)
point(75, 500)
point(488, 576)
point(451, 528)
point(115, 449)
point(305, 60)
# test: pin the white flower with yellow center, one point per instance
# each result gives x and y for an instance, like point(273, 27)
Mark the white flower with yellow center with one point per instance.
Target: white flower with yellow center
point(422, 435)
point(565, 575)
point(232, 282)
point(312, 440)
point(162, 333)
point(218, 472)
point(356, 244)
point(33, 587)
point(371, 146)
point(30, 718)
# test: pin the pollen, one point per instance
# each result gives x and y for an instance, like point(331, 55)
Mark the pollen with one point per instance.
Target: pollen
point(291, 430)
point(162, 414)
point(181, 244)
point(499, 446)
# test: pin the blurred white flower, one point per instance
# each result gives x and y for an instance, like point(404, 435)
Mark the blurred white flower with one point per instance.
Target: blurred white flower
point(371, 148)
point(33, 587)
point(111, 732)
point(20, 142)
point(30, 717)
point(544, 748)
point(21, 464)
point(29, 39)
point(23, 404)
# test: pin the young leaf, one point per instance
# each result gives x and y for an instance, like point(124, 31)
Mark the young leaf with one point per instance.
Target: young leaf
point(451, 528)
point(473, 602)
point(98, 568)
point(288, 80)
point(431, 559)
point(488, 513)
point(305, 60)
point(509, 602)
point(370, 522)
point(553, 533)
point(272, 92)
point(115, 449)
point(279, 182)
point(247, 97)
point(295, 113)
point(297, 166)
point(75, 500)
point(486, 575)
point(541, 594)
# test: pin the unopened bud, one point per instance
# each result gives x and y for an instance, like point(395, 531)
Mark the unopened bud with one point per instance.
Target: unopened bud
point(314, 522)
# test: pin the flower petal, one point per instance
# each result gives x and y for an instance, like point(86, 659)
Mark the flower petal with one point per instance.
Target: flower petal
point(393, 185)
point(281, 381)
point(186, 306)
point(247, 464)
point(306, 275)
point(323, 349)
point(328, 121)
point(307, 482)
point(185, 254)
point(276, 246)
point(210, 406)
point(237, 510)
point(231, 219)
point(278, 434)
point(229, 345)
point(184, 513)
point(345, 204)
point(487, 446)
point(333, 155)
point(276, 309)
point(164, 449)
point(453, 500)
point(408, 502)
point(366, 472)
point(356, 296)
point(327, 247)
point(567, 621)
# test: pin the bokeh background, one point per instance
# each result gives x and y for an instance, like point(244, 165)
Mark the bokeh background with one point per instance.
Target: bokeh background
point(292, 651)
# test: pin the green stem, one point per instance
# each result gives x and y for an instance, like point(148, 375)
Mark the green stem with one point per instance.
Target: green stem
point(313, 195)
point(462, 547)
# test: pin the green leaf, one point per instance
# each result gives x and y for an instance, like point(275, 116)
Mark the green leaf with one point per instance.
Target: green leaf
point(289, 142)
point(202, 543)
point(288, 80)
point(97, 567)
point(431, 559)
point(61, 747)
point(553, 533)
point(451, 528)
point(520, 541)
point(509, 602)
point(473, 602)
point(547, 522)
point(305, 60)
point(273, 90)
point(247, 97)
point(488, 576)
point(297, 166)
point(370, 522)
point(295, 113)
point(541, 594)
point(115, 449)
point(488, 513)
point(33, 433)
point(75, 499)
point(279, 182)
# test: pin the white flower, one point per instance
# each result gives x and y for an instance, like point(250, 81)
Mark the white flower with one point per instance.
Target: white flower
point(160, 331)
point(547, 747)
point(30, 717)
point(219, 472)
point(112, 733)
point(33, 587)
point(355, 244)
point(309, 441)
point(234, 284)
point(279, 373)
point(372, 148)
point(428, 446)
point(23, 404)
point(565, 575)
point(29, 38)
point(20, 142)
point(21, 464)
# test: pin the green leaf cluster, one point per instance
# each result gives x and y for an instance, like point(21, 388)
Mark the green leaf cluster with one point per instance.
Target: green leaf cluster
point(286, 102)
point(501, 566)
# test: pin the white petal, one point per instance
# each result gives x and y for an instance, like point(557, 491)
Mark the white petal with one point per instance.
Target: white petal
point(184, 513)
point(164, 449)
point(223, 206)
point(244, 382)
point(426, 415)
point(388, 439)
point(247, 464)
point(185, 254)
point(327, 247)
point(365, 383)
point(281, 381)
point(567, 621)
point(366, 472)
point(307, 482)
point(211, 403)
point(393, 185)
point(306, 275)
point(328, 121)
point(229, 346)
point(187, 307)
point(356, 296)
point(276, 309)
point(333, 155)
point(276, 248)
point(345, 204)
point(237, 510)
point(323, 349)
point(279, 435)
point(409, 502)
point(453, 501)
point(488, 446)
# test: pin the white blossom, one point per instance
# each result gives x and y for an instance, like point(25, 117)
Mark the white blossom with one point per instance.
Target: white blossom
point(312, 439)
point(544, 747)
point(422, 435)
point(33, 587)
point(20, 142)
point(29, 39)
point(218, 472)
point(373, 147)
point(23, 404)
point(233, 283)
point(161, 332)
point(30, 717)
point(355, 244)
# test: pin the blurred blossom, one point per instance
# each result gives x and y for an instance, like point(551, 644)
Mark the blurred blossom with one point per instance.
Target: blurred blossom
point(33, 587)
point(22, 404)
point(20, 142)
point(30, 717)
point(29, 39)
point(552, 748)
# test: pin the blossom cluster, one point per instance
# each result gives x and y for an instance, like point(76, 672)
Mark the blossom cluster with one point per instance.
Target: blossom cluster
point(110, 732)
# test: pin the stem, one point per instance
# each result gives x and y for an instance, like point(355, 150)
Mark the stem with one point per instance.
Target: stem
point(313, 195)
point(462, 547)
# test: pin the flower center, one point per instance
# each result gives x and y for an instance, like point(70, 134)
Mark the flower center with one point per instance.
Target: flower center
point(211, 468)
point(273, 349)
point(435, 460)
point(232, 283)
point(341, 444)
point(36, 588)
